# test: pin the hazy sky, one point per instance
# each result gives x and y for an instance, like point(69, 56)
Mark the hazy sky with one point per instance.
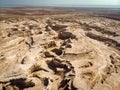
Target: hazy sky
point(4, 3)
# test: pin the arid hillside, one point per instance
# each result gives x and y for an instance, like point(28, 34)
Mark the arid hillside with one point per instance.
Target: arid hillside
point(59, 49)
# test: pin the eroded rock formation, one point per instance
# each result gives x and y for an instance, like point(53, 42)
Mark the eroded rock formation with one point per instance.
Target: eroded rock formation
point(44, 54)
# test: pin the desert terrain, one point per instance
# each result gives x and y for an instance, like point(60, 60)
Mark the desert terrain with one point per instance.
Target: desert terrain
point(59, 49)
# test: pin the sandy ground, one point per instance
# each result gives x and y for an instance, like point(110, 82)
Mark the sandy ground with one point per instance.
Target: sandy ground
point(59, 49)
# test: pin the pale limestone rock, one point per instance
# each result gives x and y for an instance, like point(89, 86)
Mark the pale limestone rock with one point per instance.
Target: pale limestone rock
point(64, 52)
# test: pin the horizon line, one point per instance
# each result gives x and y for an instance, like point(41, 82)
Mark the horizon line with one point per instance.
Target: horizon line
point(60, 5)
point(74, 6)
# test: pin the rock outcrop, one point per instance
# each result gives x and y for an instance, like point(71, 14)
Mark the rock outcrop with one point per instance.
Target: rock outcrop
point(44, 54)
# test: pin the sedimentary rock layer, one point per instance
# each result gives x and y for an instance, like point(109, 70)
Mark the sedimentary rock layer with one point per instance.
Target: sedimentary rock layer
point(59, 52)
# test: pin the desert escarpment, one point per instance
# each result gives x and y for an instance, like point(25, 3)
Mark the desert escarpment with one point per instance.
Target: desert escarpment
point(60, 51)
